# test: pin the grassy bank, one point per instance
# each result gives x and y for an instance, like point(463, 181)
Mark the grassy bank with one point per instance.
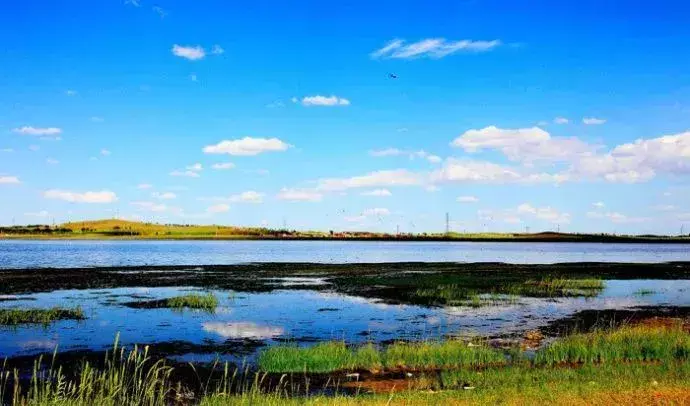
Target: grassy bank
point(15, 317)
point(626, 344)
point(467, 375)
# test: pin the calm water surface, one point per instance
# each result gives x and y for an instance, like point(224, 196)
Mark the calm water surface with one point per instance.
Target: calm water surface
point(64, 254)
point(303, 316)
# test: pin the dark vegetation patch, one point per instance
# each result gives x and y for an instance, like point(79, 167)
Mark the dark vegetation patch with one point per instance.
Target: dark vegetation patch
point(432, 284)
point(15, 317)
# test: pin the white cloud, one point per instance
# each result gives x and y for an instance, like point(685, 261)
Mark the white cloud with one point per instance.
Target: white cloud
point(378, 193)
point(9, 180)
point(411, 154)
point(151, 206)
point(135, 3)
point(218, 208)
point(561, 120)
point(223, 166)
point(431, 48)
point(71, 92)
point(378, 211)
point(593, 121)
point(249, 196)
point(300, 195)
point(616, 217)
point(52, 161)
point(544, 213)
point(47, 133)
point(319, 100)
point(217, 50)
point(398, 177)
point(195, 167)
point(246, 146)
point(192, 53)
point(103, 196)
point(387, 152)
point(639, 161)
point(242, 330)
point(193, 77)
point(599, 205)
point(160, 11)
point(188, 174)
point(144, 186)
point(523, 144)
point(486, 172)
point(6, 150)
point(467, 199)
point(105, 152)
point(665, 207)
point(34, 148)
point(164, 196)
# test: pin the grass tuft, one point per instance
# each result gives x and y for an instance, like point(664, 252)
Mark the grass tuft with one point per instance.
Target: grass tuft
point(193, 301)
point(14, 317)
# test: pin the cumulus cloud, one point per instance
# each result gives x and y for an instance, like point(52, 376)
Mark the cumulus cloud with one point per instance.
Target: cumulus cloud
point(300, 195)
point(249, 196)
point(217, 50)
point(467, 199)
point(593, 121)
point(523, 144)
point(397, 177)
point(246, 146)
point(103, 196)
point(319, 100)
point(105, 152)
point(467, 171)
point(144, 186)
point(47, 133)
point(9, 180)
point(52, 161)
point(544, 213)
point(71, 92)
point(218, 208)
point(192, 53)
point(561, 120)
point(223, 166)
point(242, 330)
point(6, 150)
point(616, 217)
point(195, 167)
point(378, 193)
point(150, 206)
point(431, 48)
point(411, 154)
point(599, 205)
point(187, 173)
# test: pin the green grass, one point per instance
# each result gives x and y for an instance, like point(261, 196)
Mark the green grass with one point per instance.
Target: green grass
point(644, 292)
point(14, 317)
point(639, 343)
point(133, 377)
point(193, 301)
point(335, 356)
point(560, 287)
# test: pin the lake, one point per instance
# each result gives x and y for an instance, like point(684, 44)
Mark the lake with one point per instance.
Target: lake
point(71, 254)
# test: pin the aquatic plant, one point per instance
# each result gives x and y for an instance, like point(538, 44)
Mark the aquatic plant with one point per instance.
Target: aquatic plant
point(334, 356)
point(208, 301)
point(629, 343)
point(14, 317)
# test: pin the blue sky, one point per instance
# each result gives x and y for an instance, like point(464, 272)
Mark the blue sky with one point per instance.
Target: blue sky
point(571, 115)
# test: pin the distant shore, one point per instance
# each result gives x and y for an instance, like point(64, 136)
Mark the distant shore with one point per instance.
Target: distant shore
point(128, 230)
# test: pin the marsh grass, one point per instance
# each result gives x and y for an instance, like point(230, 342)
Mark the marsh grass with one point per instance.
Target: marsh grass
point(644, 292)
point(335, 356)
point(560, 287)
point(626, 344)
point(14, 317)
point(193, 301)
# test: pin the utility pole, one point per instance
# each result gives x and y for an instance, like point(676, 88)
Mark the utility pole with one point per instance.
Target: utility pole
point(447, 223)
point(397, 229)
